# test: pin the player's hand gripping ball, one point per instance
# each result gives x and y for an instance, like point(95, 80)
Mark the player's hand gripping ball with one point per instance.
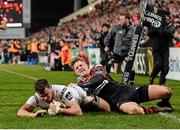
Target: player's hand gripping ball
point(55, 107)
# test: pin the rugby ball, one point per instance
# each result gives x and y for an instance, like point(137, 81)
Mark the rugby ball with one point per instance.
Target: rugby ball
point(58, 105)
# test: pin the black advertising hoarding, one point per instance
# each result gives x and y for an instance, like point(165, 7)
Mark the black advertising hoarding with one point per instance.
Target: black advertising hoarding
point(154, 17)
point(143, 63)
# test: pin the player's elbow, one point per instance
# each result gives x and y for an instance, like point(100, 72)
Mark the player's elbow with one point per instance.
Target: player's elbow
point(19, 113)
point(107, 110)
point(79, 112)
point(103, 105)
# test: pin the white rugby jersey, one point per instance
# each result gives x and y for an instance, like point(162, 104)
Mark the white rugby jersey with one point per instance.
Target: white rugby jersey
point(61, 93)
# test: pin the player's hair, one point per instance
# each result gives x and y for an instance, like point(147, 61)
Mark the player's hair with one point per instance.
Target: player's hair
point(40, 85)
point(76, 59)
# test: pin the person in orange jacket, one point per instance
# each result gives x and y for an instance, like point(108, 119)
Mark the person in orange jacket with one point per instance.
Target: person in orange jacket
point(65, 55)
point(16, 51)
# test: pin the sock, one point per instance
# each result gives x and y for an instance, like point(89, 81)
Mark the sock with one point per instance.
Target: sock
point(150, 110)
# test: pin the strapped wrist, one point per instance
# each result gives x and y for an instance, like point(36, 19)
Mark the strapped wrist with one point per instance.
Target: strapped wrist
point(58, 109)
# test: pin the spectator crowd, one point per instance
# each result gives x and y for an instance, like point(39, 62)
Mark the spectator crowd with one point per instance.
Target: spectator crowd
point(83, 32)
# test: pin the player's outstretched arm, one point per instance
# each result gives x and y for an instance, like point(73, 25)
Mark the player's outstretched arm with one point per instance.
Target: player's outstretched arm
point(26, 110)
point(103, 105)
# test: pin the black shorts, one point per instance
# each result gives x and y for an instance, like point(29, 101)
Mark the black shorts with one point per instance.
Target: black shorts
point(140, 95)
point(118, 58)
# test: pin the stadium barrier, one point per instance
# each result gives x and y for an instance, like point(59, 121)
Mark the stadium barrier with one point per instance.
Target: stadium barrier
point(143, 63)
point(43, 58)
point(174, 64)
point(92, 53)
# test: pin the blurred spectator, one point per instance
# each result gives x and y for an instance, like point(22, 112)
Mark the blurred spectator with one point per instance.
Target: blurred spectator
point(34, 51)
point(5, 52)
point(10, 51)
point(99, 38)
point(16, 51)
point(176, 40)
point(135, 17)
point(3, 25)
point(85, 25)
point(161, 40)
point(118, 40)
point(65, 55)
point(54, 50)
point(1, 53)
point(42, 45)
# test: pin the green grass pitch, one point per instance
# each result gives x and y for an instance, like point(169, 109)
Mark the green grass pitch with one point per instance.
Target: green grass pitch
point(16, 86)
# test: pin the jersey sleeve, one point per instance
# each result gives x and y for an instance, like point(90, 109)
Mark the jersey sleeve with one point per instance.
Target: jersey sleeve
point(67, 97)
point(32, 101)
point(93, 83)
point(82, 93)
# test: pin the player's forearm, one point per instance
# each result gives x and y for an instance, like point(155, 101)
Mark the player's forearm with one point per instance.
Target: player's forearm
point(104, 106)
point(71, 111)
point(73, 108)
point(24, 113)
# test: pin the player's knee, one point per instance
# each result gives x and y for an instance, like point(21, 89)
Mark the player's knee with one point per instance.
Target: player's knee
point(104, 106)
point(79, 113)
point(167, 92)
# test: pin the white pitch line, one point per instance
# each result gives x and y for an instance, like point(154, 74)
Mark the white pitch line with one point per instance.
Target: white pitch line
point(32, 78)
point(173, 117)
point(18, 74)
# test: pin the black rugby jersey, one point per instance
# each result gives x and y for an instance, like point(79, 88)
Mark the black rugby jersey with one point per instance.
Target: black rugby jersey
point(107, 89)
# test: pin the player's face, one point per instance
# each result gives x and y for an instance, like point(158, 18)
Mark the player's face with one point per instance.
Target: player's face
point(81, 68)
point(47, 95)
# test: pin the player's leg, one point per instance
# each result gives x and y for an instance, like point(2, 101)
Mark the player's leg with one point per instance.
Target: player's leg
point(157, 66)
point(102, 104)
point(116, 68)
point(165, 68)
point(117, 65)
point(160, 92)
point(132, 108)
